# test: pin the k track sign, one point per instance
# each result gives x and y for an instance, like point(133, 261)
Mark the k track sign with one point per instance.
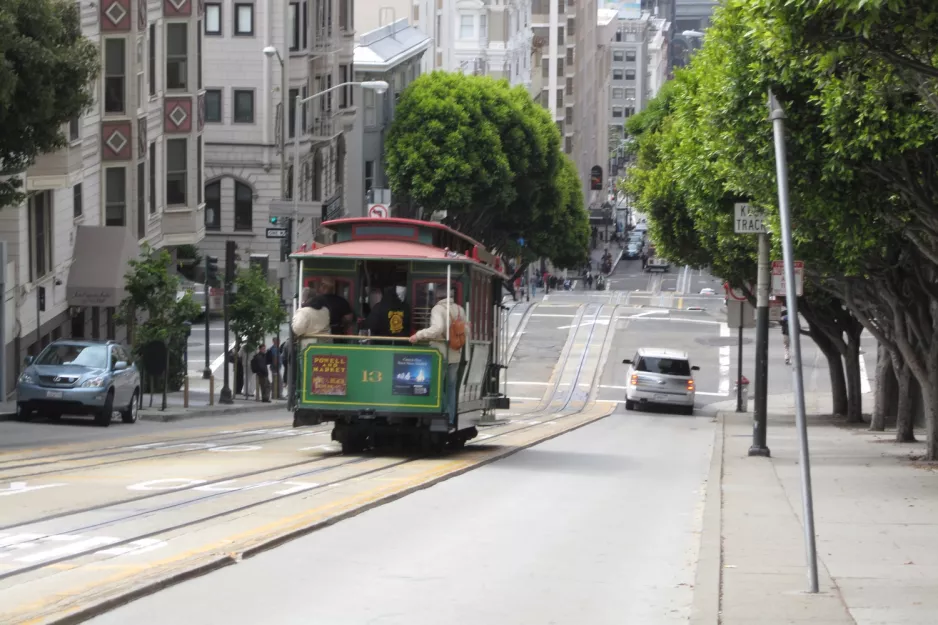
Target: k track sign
point(596, 178)
point(749, 219)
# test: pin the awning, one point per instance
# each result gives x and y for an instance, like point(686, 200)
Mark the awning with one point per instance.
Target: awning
point(100, 262)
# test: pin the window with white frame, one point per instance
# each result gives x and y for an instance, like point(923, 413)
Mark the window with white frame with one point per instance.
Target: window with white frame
point(244, 106)
point(77, 201)
point(177, 48)
point(617, 111)
point(618, 93)
point(299, 20)
point(244, 19)
point(467, 26)
point(371, 111)
point(141, 74)
point(141, 200)
point(630, 55)
point(151, 158)
point(630, 74)
point(213, 18)
point(115, 75)
point(74, 129)
point(177, 161)
point(213, 105)
point(630, 92)
point(617, 74)
point(40, 234)
point(618, 55)
point(483, 27)
point(115, 196)
point(369, 175)
point(213, 205)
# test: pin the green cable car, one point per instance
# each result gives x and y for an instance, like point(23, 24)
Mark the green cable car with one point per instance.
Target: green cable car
point(385, 389)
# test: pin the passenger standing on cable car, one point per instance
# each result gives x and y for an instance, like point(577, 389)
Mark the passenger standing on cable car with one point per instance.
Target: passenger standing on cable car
point(388, 317)
point(340, 311)
point(440, 324)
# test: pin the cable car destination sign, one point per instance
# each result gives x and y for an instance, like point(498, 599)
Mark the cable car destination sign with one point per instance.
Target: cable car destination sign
point(749, 219)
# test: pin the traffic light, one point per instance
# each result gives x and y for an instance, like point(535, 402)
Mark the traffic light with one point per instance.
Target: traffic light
point(231, 260)
point(274, 221)
point(286, 242)
point(211, 270)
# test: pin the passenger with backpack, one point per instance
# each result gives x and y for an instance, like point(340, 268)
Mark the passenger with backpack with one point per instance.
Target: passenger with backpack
point(447, 332)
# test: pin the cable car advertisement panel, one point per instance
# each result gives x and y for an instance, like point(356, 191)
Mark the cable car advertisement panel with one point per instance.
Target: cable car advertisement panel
point(386, 379)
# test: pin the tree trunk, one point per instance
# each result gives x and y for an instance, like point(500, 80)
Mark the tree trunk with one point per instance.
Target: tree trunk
point(854, 388)
point(904, 417)
point(835, 367)
point(930, 400)
point(883, 404)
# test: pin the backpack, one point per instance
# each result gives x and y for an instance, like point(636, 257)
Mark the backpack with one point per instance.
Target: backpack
point(457, 332)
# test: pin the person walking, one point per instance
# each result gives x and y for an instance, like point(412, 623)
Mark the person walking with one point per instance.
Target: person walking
point(786, 339)
point(259, 368)
point(447, 318)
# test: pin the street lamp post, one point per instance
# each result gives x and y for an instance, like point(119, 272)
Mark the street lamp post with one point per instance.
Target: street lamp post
point(269, 52)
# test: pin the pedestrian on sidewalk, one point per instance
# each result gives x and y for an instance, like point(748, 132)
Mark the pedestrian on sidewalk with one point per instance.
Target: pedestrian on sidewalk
point(285, 355)
point(273, 359)
point(589, 281)
point(786, 339)
point(259, 368)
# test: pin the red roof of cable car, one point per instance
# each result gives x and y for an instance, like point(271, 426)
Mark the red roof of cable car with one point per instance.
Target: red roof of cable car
point(380, 249)
point(404, 222)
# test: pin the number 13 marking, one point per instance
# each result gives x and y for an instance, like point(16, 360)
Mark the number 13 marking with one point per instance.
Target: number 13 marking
point(371, 376)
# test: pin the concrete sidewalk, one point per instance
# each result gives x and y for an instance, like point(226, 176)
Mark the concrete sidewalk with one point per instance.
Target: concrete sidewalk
point(876, 521)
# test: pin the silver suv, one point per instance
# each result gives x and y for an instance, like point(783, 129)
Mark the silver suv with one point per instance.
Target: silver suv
point(79, 377)
point(660, 376)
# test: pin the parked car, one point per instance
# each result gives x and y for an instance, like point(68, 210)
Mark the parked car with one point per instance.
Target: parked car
point(195, 289)
point(660, 377)
point(82, 378)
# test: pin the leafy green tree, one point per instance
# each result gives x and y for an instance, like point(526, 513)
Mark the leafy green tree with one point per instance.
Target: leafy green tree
point(255, 310)
point(152, 311)
point(46, 77)
point(490, 157)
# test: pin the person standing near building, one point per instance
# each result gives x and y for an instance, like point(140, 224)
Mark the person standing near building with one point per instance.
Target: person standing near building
point(786, 339)
point(447, 318)
point(259, 368)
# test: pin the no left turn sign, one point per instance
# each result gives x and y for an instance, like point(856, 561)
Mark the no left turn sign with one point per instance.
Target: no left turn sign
point(379, 211)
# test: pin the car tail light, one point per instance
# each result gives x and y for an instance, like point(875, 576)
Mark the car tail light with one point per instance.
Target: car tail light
point(690, 385)
point(634, 380)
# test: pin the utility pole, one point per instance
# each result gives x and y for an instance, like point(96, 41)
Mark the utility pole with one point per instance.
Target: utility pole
point(225, 397)
point(211, 270)
point(760, 422)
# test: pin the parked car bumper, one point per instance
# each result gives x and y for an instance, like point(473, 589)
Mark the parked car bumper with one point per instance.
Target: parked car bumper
point(69, 400)
point(668, 398)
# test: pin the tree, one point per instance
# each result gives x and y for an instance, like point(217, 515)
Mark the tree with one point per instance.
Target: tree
point(152, 311)
point(255, 310)
point(490, 157)
point(46, 79)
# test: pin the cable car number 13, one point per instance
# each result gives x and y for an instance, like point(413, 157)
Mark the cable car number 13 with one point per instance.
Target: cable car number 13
point(371, 376)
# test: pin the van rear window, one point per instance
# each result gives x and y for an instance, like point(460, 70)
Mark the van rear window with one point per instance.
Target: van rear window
point(666, 366)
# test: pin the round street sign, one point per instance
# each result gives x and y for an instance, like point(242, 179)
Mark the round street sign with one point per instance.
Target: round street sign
point(736, 294)
point(379, 211)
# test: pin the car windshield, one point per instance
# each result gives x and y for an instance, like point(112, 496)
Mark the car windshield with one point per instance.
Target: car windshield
point(666, 366)
point(94, 356)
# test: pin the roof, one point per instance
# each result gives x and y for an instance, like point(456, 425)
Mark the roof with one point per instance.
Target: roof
point(381, 49)
point(381, 249)
point(605, 16)
point(660, 352)
point(397, 220)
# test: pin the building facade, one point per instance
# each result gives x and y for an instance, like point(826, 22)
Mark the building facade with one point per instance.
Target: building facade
point(392, 53)
point(247, 167)
point(130, 175)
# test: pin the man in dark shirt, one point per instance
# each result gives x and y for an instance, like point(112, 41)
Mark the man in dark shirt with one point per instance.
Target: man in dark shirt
point(340, 311)
point(388, 317)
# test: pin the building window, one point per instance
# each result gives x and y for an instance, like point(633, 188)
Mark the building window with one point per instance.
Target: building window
point(291, 102)
point(213, 18)
point(630, 92)
point(114, 75)
point(77, 201)
point(295, 30)
point(545, 68)
point(560, 36)
point(560, 98)
point(141, 74)
point(244, 19)
point(630, 74)
point(467, 26)
point(198, 169)
point(176, 168)
point(570, 57)
point(617, 74)
point(568, 145)
point(115, 196)
point(213, 205)
point(244, 106)
point(343, 94)
point(369, 175)
point(571, 27)
point(213, 105)
point(244, 207)
point(151, 61)
point(630, 55)
point(40, 235)
point(371, 111)
point(344, 13)
point(483, 27)
point(618, 93)
point(141, 200)
point(176, 52)
point(629, 111)
point(617, 111)
point(152, 159)
point(198, 62)
point(618, 55)
point(303, 124)
point(74, 129)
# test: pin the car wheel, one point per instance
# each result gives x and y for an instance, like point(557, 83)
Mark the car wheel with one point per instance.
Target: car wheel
point(129, 414)
point(629, 404)
point(23, 412)
point(104, 415)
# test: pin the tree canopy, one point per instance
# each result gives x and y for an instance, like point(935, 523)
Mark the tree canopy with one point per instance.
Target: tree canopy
point(46, 77)
point(255, 309)
point(857, 83)
point(490, 157)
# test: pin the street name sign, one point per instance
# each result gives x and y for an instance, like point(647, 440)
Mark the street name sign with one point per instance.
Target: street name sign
point(749, 220)
point(276, 233)
point(778, 278)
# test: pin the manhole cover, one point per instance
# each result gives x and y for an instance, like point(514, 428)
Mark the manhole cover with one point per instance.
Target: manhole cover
point(722, 341)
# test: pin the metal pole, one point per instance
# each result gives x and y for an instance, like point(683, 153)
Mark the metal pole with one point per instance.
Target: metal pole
point(3, 321)
point(207, 372)
point(296, 201)
point(759, 421)
point(285, 96)
point(225, 396)
point(739, 362)
point(777, 115)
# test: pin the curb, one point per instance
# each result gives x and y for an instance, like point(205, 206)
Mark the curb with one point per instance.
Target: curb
point(173, 413)
point(83, 614)
point(616, 262)
point(708, 582)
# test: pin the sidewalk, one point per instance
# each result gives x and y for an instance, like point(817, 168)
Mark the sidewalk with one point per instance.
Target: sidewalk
point(876, 521)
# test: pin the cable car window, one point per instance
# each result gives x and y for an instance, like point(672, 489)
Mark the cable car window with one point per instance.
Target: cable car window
point(424, 298)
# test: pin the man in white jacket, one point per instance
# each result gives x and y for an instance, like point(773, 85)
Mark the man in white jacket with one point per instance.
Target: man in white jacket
point(436, 333)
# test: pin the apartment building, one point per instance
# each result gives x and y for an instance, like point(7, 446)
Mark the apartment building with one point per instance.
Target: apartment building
point(130, 174)
point(246, 166)
point(392, 53)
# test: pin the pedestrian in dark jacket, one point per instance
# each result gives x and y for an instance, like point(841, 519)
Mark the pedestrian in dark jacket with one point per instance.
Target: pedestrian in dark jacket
point(388, 317)
point(786, 339)
point(259, 368)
